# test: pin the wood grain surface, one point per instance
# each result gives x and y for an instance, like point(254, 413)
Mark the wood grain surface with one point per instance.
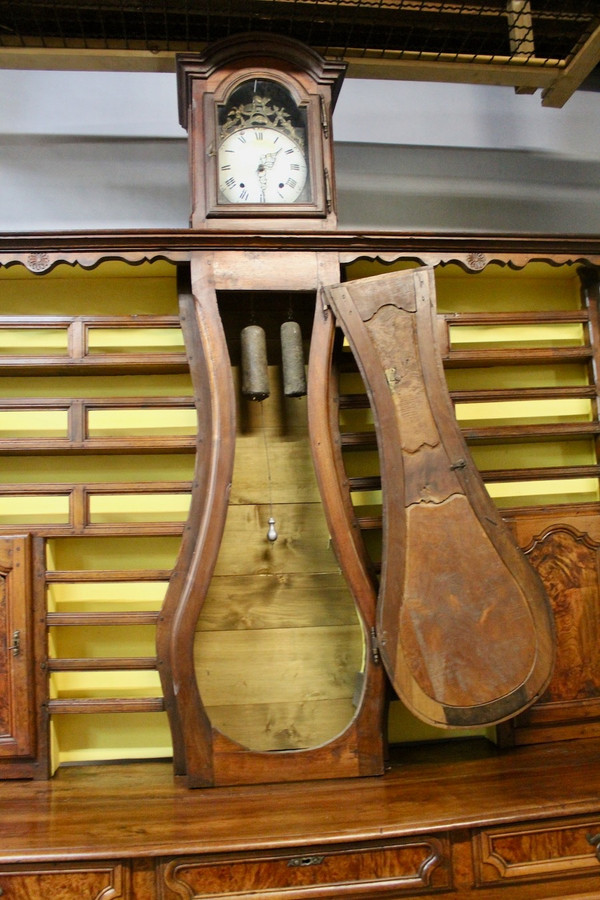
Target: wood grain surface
point(463, 622)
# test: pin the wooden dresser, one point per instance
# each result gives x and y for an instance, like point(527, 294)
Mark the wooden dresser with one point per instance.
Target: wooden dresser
point(458, 820)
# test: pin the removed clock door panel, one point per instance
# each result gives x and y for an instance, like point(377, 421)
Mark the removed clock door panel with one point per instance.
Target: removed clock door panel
point(464, 626)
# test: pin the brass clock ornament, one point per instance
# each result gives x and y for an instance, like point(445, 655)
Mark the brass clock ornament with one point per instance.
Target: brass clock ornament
point(257, 109)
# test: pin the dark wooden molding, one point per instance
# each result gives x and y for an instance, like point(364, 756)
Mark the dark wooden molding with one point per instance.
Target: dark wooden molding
point(174, 244)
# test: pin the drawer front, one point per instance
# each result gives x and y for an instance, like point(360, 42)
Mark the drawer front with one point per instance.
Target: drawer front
point(63, 881)
point(539, 850)
point(376, 869)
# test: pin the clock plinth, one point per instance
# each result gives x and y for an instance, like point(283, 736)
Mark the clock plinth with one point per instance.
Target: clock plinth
point(257, 109)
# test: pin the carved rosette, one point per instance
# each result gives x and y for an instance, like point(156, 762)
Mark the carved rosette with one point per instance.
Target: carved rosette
point(476, 261)
point(38, 262)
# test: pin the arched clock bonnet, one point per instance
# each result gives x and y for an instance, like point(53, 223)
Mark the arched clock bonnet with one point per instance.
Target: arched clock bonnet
point(258, 114)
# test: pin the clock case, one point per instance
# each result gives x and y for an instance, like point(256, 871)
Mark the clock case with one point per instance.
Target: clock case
point(206, 83)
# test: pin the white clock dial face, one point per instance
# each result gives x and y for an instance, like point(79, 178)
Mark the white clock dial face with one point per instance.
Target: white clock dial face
point(261, 165)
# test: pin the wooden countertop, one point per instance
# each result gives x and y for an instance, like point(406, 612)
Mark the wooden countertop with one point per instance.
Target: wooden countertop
point(135, 810)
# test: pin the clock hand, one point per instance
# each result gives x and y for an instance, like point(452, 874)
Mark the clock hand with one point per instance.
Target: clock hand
point(267, 161)
point(262, 180)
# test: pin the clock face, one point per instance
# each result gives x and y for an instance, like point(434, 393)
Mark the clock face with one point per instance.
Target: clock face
point(258, 164)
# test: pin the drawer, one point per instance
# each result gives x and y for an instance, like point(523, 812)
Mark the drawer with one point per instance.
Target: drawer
point(538, 850)
point(64, 881)
point(379, 868)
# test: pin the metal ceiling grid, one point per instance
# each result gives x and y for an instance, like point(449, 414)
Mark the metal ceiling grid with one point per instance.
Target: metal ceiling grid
point(528, 44)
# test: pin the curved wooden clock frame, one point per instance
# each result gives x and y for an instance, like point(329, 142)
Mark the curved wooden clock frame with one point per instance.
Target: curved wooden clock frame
point(203, 754)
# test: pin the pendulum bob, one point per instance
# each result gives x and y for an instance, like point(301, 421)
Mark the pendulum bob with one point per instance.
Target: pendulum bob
point(464, 627)
point(255, 373)
point(272, 531)
point(292, 360)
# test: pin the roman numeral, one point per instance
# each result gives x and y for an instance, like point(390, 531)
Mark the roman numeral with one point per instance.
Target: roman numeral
point(230, 182)
point(291, 182)
point(295, 167)
point(244, 195)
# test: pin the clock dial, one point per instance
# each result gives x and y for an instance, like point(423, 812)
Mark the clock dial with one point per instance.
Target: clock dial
point(261, 165)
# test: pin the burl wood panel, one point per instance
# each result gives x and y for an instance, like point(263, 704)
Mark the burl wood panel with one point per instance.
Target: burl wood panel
point(464, 626)
point(567, 562)
point(539, 850)
point(396, 865)
point(565, 553)
point(86, 881)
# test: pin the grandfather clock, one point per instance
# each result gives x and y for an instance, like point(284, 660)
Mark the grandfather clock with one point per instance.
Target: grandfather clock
point(264, 638)
point(275, 633)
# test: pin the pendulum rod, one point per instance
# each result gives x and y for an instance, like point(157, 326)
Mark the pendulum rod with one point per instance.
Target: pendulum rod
point(271, 533)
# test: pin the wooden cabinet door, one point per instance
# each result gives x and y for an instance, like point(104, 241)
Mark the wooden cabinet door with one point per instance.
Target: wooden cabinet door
point(17, 734)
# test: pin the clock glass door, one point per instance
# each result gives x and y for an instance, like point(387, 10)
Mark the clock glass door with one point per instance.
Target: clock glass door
point(262, 147)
